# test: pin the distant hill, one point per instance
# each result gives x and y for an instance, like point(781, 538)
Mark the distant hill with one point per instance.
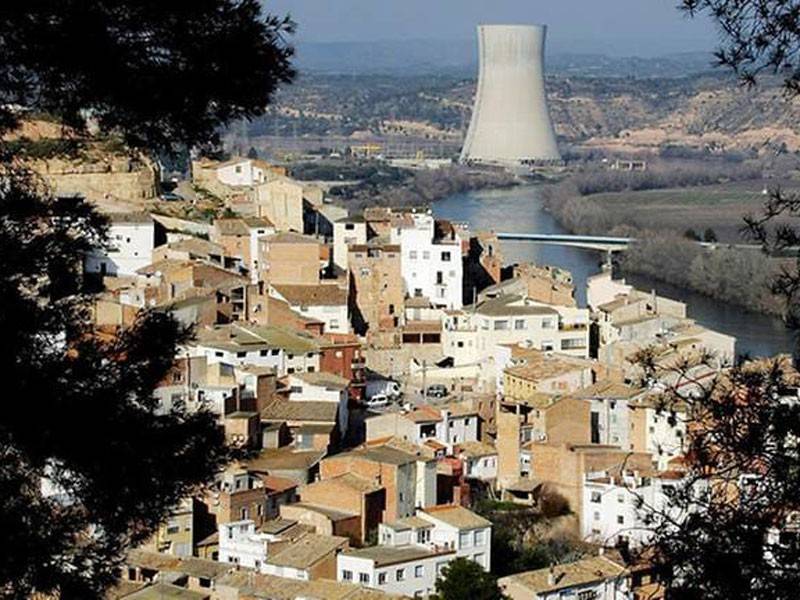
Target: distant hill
point(459, 59)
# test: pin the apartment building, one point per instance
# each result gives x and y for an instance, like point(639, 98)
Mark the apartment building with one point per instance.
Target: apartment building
point(260, 346)
point(239, 238)
point(376, 288)
point(348, 231)
point(326, 303)
point(131, 239)
point(448, 425)
point(470, 335)
point(431, 258)
point(289, 258)
point(409, 479)
point(623, 506)
point(593, 578)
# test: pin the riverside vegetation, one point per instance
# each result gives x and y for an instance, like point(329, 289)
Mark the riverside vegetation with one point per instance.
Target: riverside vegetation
point(584, 203)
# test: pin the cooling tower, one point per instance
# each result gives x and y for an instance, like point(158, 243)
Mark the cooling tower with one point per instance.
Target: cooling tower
point(510, 123)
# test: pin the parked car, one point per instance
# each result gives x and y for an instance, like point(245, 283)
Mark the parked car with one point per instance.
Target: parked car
point(383, 387)
point(171, 197)
point(377, 401)
point(437, 390)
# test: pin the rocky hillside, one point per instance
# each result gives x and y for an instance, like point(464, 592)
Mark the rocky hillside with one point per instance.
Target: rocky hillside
point(613, 114)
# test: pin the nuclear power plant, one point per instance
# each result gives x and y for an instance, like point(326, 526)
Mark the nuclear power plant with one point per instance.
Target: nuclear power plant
point(510, 123)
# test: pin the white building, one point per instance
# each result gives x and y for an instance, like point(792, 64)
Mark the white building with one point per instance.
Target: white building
point(409, 571)
point(609, 411)
point(241, 172)
point(327, 303)
point(592, 578)
point(470, 336)
point(413, 551)
point(279, 549)
point(347, 232)
point(431, 258)
point(449, 425)
point(626, 506)
point(479, 460)
point(241, 544)
point(131, 239)
point(322, 387)
point(285, 351)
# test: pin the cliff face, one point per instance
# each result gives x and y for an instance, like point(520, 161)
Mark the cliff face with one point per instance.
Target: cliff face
point(101, 178)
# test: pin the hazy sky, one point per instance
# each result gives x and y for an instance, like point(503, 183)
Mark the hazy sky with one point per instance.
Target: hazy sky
point(616, 27)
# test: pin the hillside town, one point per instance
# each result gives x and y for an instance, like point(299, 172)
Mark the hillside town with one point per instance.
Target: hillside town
point(388, 376)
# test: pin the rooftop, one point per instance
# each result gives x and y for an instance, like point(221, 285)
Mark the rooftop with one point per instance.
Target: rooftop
point(301, 410)
point(457, 516)
point(606, 389)
point(290, 237)
point(476, 449)
point(235, 338)
point(509, 305)
point(324, 379)
point(307, 551)
point(580, 572)
point(286, 458)
point(165, 591)
point(383, 556)
point(313, 295)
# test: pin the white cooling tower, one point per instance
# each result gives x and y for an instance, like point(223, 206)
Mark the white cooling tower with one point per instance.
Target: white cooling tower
point(510, 123)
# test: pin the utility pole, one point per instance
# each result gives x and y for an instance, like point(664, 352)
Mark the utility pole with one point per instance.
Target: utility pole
point(424, 379)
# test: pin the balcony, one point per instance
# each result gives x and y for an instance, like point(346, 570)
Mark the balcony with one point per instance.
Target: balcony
point(573, 326)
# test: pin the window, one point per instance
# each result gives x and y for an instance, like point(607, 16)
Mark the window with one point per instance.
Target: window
point(347, 575)
point(218, 354)
point(500, 325)
point(620, 519)
point(464, 539)
point(426, 255)
point(596, 516)
point(587, 595)
point(381, 578)
point(400, 574)
point(520, 324)
point(548, 324)
point(241, 354)
point(445, 257)
point(363, 578)
point(595, 497)
point(264, 353)
point(479, 535)
point(419, 571)
point(244, 513)
point(620, 498)
point(412, 255)
point(423, 535)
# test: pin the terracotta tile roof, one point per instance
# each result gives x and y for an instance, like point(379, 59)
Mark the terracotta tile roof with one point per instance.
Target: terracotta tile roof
point(424, 414)
point(301, 410)
point(308, 550)
point(609, 389)
point(166, 591)
point(313, 295)
point(289, 237)
point(283, 459)
point(277, 484)
point(476, 449)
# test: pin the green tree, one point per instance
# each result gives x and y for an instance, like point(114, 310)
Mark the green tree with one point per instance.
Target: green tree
point(691, 234)
point(252, 153)
point(709, 235)
point(464, 579)
point(89, 465)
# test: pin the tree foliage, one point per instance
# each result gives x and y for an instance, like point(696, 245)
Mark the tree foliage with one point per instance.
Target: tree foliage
point(724, 532)
point(159, 72)
point(757, 36)
point(464, 579)
point(89, 463)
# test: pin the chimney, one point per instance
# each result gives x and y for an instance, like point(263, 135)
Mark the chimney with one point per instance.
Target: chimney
point(551, 576)
point(601, 551)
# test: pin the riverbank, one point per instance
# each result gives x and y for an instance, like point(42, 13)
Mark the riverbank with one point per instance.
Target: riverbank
point(520, 209)
point(390, 186)
point(661, 221)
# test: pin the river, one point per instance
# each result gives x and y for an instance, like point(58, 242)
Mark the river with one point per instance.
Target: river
point(520, 209)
